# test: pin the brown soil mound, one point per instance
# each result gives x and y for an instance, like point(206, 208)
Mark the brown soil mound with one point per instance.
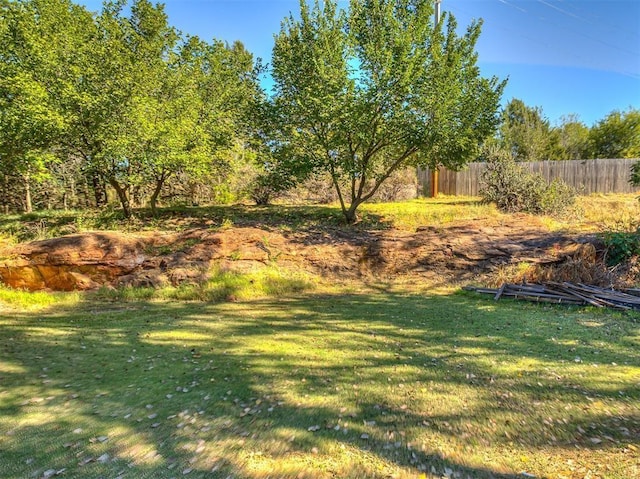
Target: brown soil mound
point(460, 252)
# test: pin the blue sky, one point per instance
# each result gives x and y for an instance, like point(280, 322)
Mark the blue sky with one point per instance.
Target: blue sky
point(577, 57)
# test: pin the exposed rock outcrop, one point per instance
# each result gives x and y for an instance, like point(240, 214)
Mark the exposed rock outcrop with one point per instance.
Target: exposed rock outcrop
point(463, 251)
point(74, 262)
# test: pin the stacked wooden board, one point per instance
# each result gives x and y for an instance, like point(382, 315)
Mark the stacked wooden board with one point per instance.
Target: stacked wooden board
point(568, 293)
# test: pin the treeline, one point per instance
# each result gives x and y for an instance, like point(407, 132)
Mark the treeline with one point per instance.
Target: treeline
point(118, 103)
point(119, 107)
point(529, 136)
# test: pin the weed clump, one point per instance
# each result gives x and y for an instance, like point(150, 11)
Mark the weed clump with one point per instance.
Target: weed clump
point(621, 246)
point(515, 189)
point(579, 263)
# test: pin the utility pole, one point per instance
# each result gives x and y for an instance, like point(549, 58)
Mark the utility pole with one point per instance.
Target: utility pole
point(434, 171)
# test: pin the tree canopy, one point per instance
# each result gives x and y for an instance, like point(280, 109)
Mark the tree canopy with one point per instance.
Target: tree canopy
point(122, 91)
point(617, 135)
point(361, 93)
point(118, 107)
point(526, 133)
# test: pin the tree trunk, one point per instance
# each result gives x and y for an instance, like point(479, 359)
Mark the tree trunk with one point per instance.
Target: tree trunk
point(99, 191)
point(350, 214)
point(5, 195)
point(28, 207)
point(135, 197)
point(156, 193)
point(71, 198)
point(85, 193)
point(122, 196)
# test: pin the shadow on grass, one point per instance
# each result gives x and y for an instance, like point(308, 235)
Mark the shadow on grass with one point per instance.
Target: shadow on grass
point(343, 386)
point(305, 218)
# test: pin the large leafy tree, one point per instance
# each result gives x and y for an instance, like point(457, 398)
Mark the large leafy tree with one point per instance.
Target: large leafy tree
point(226, 84)
point(114, 110)
point(120, 95)
point(617, 135)
point(37, 68)
point(361, 94)
point(527, 134)
point(573, 137)
point(153, 105)
point(156, 132)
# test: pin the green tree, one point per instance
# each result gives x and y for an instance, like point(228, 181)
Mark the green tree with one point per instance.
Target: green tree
point(617, 135)
point(226, 79)
point(361, 94)
point(160, 133)
point(37, 38)
point(119, 96)
point(526, 133)
point(573, 138)
point(116, 99)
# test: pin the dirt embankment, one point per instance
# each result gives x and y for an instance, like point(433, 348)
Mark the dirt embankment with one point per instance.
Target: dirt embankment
point(459, 252)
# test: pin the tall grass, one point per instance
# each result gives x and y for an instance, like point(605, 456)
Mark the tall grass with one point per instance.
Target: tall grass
point(28, 300)
point(409, 215)
point(606, 212)
point(270, 281)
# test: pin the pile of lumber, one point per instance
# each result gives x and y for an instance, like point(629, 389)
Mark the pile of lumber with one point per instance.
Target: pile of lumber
point(567, 293)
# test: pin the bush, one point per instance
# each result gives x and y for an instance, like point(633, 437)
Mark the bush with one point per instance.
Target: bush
point(621, 246)
point(515, 189)
point(557, 197)
point(400, 186)
point(319, 189)
point(268, 185)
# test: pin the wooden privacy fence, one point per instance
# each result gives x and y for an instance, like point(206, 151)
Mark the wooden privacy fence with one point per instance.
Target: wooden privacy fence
point(586, 176)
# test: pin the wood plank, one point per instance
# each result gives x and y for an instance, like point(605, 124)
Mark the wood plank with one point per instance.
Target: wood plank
point(565, 293)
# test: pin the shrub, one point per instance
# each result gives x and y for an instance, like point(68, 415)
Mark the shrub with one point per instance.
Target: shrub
point(268, 185)
point(400, 186)
point(319, 188)
point(557, 197)
point(621, 246)
point(515, 189)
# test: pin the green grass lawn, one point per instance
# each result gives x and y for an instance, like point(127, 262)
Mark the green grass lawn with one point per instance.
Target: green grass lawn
point(371, 384)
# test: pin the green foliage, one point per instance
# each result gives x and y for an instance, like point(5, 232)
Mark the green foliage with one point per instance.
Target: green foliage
point(363, 93)
point(34, 38)
point(635, 174)
point(513, 188)
point(621, 246)
point(270, 184)
point(573, 138)
point(617, 135)
point(122, 93)
point(527, 134)
point(622, 243)
point(557, 197)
